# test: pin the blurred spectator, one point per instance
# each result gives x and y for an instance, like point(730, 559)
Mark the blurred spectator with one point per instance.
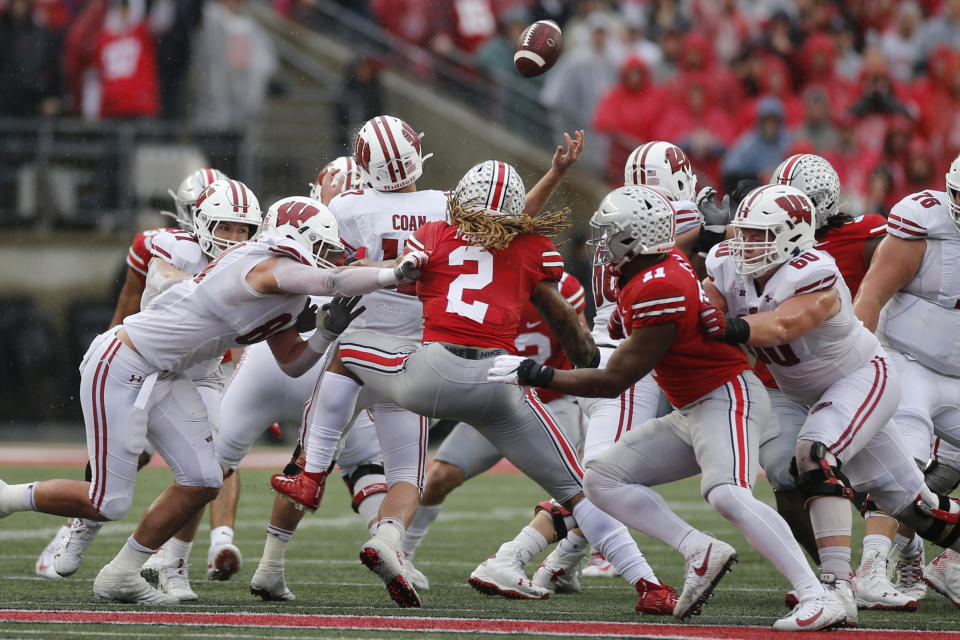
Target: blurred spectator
point(817, 128)
point(945, 28)
point(819, 67)
point(513, 97)
point(666, 15)
point(758, 151)
point(880, 196)
point(728, 28)
point(919, 169)
point(559, 11)
point(772, 78)
point(78, 50)
point(902, 43)
point(781, 37)
point(848, 59)
point(232, 63)
point(877, 96)
point(580, 31)
point(409, 20)
point(463, 25)
point(174, 22)
point(29, 64)
point(358, 99)
point(124, 55)
point(853, 164)
point(636, 43)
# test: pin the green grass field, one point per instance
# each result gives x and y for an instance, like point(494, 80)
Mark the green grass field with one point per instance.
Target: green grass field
point(325, 574)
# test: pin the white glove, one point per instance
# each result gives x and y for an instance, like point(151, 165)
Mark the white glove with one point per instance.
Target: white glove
point(409, 268)
point(504, 369)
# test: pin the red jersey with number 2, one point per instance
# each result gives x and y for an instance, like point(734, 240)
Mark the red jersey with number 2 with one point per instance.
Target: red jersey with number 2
point(694, 365)
point(475, 297)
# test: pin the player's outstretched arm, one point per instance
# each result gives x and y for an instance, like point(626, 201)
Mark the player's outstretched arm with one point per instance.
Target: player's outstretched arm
point(129, 301)
point(793, 318)
point(563, 159)
point(565, 324)
point(894, 264)
point(283, 275)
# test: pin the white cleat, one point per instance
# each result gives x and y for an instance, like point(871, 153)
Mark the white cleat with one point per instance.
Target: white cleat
point(74, 545)
point(175, 581)
point(943, 575)
point(559, 574)
point(154, 565)
point(843, 593)
point(815, 614)
point(873, 590)
point(502, 575)
point(223, 562)
point(128, 586)
point(413, 575)
point(598, 567)
point(268, 583)
point(909, 572)
point(377, 556)
point(44, 566)
point(3, 512)
point(705, 568)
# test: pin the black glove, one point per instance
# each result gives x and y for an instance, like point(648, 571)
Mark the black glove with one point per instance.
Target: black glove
point(533, 374)
point(337, 315)
point(307, 320)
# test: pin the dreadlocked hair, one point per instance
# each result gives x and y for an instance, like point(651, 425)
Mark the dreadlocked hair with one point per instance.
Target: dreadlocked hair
point(834, 221)
point(495, 233)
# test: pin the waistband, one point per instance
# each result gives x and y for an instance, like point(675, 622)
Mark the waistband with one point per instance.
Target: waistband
point(468, 353)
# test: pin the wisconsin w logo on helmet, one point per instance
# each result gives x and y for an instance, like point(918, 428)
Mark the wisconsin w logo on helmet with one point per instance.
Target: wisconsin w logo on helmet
point(677, 159)
point(295, 213)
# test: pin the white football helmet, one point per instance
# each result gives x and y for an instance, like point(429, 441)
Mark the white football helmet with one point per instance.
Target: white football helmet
point(786, 216)
point(348, 171)
point(310, 224)
point(493, 188)
point(632, 221)
point(224, 201)
point(661, 166)
point(814, 176)
point(953, 190)
point(188, 192)
point(388, 152)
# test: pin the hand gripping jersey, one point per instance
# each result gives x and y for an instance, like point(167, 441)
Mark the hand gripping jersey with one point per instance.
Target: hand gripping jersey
point(807, 366)
point(922, 319)
point(473, 297)
point(380, 223)
point(604, 282)
point(537, 341)
point(178, 248)
point(141, 250)
point(197, 320)
point(845, 244)
point(694, 365)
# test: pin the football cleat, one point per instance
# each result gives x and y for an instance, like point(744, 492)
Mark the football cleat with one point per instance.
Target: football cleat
point(705, 568)
point(223, 561)
point(70, 552)
point(815, 614)
point(304, 491)
point(843, 592)
point(154, 565)
point(909, 572)
point(790, 601)
point(873, 590)
point(656, 598)
point(44, 566)
point(268, 583)
point(3, 512)
point(559, 574)
point(377, 556)
point(128, 586)
point(413, 575)
point(502, 575)
point(943, 575)
point(598, 567)
point(175, 581)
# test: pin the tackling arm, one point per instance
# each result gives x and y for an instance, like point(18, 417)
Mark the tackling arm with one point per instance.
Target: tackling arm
point(793, 318)
point(565, 324)
point(562, 160)
point(893, 265)
point(283, 275)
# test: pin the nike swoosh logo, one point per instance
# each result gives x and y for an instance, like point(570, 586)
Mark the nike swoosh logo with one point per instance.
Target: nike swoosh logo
point(43, 567)
point(702, 569)
point(531, 325)
point(810, 620)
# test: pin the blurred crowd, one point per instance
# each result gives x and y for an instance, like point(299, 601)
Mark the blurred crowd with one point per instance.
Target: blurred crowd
point(202, 60)
point(873, 85)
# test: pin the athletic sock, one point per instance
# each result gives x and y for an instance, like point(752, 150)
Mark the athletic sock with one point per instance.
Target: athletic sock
point(275, 546)
point(390, 530)
point(614, 541)
point(132, 556)
point(573, 544)
point(531, 543)
point(178, 550)
point(18, 497)
point(220, 536)
point(836, 560)
point(419, 527)
point(877, 542)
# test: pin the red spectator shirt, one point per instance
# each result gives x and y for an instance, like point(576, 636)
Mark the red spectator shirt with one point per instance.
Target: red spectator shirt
point(474, 297)
point(537, 341)
point(694, 365)
point(128, 72)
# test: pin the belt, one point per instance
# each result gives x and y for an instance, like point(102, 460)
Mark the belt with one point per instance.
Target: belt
point(469, 353)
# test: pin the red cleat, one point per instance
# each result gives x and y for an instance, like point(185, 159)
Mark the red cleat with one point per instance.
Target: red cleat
point(305, 489)
point(657, 599)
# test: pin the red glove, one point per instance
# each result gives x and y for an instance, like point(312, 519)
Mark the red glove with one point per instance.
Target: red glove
point(713, 321)
point(615, 325)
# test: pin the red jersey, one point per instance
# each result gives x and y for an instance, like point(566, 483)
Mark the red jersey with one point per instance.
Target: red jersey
point(141, 251)
point(535, 339)
point(473, 297)
point(694, 365)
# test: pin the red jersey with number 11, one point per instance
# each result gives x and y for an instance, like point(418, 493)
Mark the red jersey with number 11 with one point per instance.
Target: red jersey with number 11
point(474, 297)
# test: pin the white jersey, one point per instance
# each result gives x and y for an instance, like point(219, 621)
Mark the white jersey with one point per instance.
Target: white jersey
point(380, 223)
point(807, 366)
point(604, 282)
point(178, 248)
point(195, 321)
point(922, 320)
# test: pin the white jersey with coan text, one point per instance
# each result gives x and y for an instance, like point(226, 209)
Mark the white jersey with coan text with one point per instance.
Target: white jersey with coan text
point(805, 367)
point(922, 320)
point(197, 320)
point(380, 223)
point(604, 283)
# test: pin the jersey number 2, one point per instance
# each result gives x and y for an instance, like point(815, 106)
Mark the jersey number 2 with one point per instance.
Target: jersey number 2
point(476, 310)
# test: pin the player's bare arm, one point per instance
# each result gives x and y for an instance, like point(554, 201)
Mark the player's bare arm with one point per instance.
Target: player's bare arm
point(564, 322)
point(563, 159)
point(870, 247)
point(129, 301)
point(713, 295)
point(795, 317)
point(895, 263)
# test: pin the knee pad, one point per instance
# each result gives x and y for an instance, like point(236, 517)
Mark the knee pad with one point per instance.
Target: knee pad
point(824, 479)
point(365, 481)
point(940, 477)
point(115, 508)
point(934, 517)
point(563, 520)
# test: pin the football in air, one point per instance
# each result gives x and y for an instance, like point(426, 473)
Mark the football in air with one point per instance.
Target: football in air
point(538, 48)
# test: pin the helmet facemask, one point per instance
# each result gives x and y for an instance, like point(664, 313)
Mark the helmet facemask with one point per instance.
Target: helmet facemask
point(784, 215)
point(953, 191)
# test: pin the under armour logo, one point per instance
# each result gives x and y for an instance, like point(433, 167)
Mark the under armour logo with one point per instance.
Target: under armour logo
point(136, 378)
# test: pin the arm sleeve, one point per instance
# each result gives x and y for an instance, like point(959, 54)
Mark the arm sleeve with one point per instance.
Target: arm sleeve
point(351, 281)
point(307, 358)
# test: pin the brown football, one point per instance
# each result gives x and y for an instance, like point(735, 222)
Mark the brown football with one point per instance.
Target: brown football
point(538, 48)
